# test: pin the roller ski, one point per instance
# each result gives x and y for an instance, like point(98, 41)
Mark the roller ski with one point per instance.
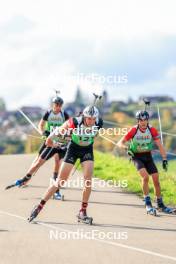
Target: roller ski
point(149, 208)
point(83, 218)
point(35, 212)
point(161, 207)
point(19, 183)
point(167, 210)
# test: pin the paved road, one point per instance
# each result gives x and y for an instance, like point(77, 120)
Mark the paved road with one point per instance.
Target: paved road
point(54, 238)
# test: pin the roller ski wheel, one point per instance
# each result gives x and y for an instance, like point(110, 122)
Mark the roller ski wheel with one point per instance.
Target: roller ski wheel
point(35, 213)
point(83, 218)
point(151, 210)
point(167, 210)
point(58, 196)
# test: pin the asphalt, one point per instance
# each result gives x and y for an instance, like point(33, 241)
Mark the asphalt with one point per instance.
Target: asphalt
point(122, 232)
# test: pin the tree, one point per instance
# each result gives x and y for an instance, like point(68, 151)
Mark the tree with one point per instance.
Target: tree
point(78, 97)
point(2, 105)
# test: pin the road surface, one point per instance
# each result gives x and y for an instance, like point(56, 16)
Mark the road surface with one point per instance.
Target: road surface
point(122, 232)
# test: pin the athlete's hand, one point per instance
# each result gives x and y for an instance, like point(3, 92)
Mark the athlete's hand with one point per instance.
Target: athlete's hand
point(65, 138)
point(130, 153)
point(165, 165)
point(56, 145)
point(45, 133)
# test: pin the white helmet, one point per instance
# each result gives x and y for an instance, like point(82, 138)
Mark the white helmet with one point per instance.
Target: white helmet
point(91, 111)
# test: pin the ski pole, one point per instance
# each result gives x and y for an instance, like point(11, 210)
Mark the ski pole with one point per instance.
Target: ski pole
point(146, 102)
point(96, 98)
point(160, 126)
point(28, 119)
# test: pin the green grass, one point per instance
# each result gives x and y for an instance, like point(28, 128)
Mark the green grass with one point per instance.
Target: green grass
point(109, 167)
point(167, 104)
point(135, 106)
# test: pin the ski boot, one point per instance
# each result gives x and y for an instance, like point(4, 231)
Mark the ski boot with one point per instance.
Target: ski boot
point(36, 210)
point(162, 208)
point(83, 218)
point(58, 196)
point(149, 208)
point(19, 183)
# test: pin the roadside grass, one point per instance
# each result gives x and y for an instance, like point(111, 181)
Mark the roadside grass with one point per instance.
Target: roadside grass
point(109, 167)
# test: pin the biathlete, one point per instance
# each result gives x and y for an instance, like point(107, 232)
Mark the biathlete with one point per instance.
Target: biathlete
point(140, 140)
point(52, 118)
point(82, 131)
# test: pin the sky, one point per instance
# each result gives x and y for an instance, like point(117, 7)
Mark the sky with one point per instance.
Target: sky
point(124, 46)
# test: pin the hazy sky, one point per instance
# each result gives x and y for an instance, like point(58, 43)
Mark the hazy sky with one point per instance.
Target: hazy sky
point(47, 44)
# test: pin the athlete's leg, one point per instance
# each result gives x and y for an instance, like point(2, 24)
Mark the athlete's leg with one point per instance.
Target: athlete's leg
point(45, 155)
point(145, 186)
point(88, 167)
point(155, 178)
point(59, 161)
point(145, 181)
point(160, 203)
point(42, 147)
point(34, 161)
point(36, 166)
point(56, 165)
point(64, 173)
point(23, 181)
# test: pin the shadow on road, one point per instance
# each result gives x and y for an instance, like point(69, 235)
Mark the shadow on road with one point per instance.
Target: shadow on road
point(114, 226)
point(103, 203)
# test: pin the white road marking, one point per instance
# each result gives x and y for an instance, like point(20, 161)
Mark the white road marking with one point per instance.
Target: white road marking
point(148, 252)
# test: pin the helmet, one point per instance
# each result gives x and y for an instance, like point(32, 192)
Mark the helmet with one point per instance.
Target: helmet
point(142, 115)
point(91, 111)
point(57, 100)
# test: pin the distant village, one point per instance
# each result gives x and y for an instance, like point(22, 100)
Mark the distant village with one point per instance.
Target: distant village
point(15, 129)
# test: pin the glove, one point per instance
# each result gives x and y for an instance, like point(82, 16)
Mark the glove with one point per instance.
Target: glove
point(130, 153)
point(45, 135)
point(56, 145)
point(165, 165)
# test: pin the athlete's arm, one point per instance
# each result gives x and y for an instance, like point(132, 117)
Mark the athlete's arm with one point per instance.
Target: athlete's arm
point(41, 126)
point(161, 149)
point(122, 142)
point(156, 138)
point(42, 123)
point(59, 131)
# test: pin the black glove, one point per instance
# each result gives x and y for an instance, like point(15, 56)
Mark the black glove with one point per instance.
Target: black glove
point(130, 153)
point(165, 165)
point(45, 133)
